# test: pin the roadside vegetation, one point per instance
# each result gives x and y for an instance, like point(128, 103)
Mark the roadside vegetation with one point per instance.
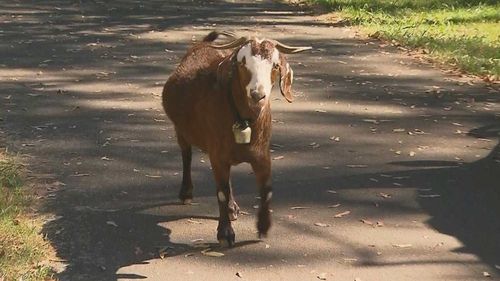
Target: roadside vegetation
point(463, 33)
point(22, 248)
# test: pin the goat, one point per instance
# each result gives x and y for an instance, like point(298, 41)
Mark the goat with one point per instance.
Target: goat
point(216, 95)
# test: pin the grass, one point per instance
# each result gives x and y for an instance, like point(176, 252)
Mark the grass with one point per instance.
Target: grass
point(464, 33)
point(22, 248)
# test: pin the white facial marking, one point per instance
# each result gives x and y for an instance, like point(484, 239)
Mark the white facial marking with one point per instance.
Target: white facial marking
point(221, 196)
point(259, 68)
point(269, 195)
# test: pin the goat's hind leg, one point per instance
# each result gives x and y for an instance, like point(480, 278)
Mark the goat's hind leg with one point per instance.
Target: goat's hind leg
point(186, 192)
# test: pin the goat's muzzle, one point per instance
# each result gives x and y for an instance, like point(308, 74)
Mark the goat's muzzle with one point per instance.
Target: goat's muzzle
point(257, 95)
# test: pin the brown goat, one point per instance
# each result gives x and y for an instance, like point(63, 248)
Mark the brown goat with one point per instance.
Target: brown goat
point(220, 88)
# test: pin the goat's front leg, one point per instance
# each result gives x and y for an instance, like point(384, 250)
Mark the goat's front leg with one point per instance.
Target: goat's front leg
point(262, 170)
point(225, 233)
point(186, 192)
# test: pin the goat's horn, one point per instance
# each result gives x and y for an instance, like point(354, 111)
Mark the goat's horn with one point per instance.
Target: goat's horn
point(290, 49)
point(228, 33)
point(235, 43)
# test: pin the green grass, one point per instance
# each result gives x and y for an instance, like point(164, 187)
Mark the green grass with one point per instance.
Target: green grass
point(22, 248)
point(465, 33)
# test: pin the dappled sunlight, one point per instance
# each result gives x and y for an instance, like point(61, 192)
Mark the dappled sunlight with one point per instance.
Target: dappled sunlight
point(371, 132)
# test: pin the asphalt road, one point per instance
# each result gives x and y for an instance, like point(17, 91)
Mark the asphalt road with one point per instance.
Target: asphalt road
point(411, 152)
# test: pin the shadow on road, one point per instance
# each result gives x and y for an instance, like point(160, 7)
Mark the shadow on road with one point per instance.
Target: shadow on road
point(80, 85)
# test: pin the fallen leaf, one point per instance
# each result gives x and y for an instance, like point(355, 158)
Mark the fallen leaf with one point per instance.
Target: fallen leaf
point(398, 130)
point(239, 275)
point(112, 223)
point(320, 110)
point(153, 176)
point(299, 208)
point(80, 175)
point(194, 221)
point(105, 158)
point(320, 224)
point(208, 252)
point(321, 276)
point(357, 166)
point(380, 224)
point(402, 245)
point(412, 153)
point(384, 195)
point(279, 157)
point(339, 215)
point(334, 206)
point(334, 138)
point(486, 274)
point(429, 195)
point(331, 191)
point(366, 221)
point(373, 121)
point(350, 259)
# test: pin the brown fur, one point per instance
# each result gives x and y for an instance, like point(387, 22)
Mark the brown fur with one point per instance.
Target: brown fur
point(196, 100)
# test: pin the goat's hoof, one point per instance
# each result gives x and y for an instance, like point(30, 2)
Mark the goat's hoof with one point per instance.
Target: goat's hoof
point(226, 236)
point(234, 210)
point(263, 223)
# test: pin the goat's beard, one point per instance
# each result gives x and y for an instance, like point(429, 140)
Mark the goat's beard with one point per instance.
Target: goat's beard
point(259, 108)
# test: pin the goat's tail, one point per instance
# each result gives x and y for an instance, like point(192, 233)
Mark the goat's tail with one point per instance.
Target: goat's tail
point(215, 34)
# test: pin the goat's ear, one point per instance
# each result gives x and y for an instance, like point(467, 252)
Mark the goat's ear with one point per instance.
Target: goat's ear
point(286, 79)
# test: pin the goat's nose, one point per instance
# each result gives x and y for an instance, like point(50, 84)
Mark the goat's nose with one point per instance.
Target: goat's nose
point(257, 95)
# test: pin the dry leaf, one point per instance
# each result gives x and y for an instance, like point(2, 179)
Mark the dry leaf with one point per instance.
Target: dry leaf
point(429, 195)
point(80, 175)
point(366, 221)
point(194, 221)
point(334, 138)
point(398, 130)
point(320, 110)
point(339, 215)
point(278, 157)
point(105, 158)
point(209, 253)
point(321, 276)
point(486, 274)
point(112, 223)
point(402, 245)
point(334, 206)
point(320, 224)
point(299, 208)
point(412, 153)
point(239, 275)
point(152, 176)
point(384, 195)
point(357, 166)
point(331, 191)
point(380, 224)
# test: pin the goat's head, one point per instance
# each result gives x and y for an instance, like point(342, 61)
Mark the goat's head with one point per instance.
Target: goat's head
point(260, 63)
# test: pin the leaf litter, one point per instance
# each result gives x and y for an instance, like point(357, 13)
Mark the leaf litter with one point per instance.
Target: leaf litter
point(343, 214)
point(208, 252)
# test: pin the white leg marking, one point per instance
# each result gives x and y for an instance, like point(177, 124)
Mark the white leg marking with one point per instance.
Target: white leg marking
point(269, 195)
point(221, 196)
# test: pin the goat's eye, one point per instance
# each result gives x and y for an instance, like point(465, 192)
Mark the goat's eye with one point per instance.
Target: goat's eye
point(276, 66)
